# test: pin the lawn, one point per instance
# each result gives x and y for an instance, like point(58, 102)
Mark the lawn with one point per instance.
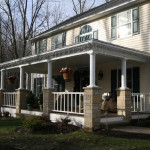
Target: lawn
point(78, 140)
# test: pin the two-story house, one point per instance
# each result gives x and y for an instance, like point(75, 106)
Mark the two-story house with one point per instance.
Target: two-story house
point(108, 51)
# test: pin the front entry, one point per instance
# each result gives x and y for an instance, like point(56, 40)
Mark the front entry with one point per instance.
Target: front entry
point(81, 79)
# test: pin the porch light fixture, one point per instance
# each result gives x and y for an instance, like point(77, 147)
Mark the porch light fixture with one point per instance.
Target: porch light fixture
point(100, 75)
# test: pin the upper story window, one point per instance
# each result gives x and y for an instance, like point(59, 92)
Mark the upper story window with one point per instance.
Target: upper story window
point(86, 33)
point(41, 46)
point(58, 41)
point(125, 23)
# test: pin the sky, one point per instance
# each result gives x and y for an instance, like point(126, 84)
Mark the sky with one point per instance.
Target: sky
point(69, 7)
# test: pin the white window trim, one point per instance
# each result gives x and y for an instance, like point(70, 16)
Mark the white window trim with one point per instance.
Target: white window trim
point(117, 27)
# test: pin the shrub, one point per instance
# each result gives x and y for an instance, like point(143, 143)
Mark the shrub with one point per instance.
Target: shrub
point(33, 124)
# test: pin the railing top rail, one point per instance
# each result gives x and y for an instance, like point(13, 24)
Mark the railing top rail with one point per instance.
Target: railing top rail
point(137, 94)
point(10, 92)
point(67, 92)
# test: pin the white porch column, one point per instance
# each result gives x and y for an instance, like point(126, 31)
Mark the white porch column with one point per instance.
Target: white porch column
point(2, 79)
point(28, 81)
point(123, 75)
point(21, 78)
point(49, 85)
point(92, 69)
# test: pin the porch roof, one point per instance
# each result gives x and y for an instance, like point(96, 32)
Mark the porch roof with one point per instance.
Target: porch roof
point(99, 47)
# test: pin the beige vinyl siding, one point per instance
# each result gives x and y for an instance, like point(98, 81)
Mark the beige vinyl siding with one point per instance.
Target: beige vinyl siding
point(103, 25)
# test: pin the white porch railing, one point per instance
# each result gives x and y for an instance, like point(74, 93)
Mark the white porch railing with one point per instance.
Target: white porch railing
point(69, 102)
point(10, 99)
point(138, 102)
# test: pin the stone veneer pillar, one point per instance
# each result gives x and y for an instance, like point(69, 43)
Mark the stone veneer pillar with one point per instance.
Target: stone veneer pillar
point(21, 100)
point(91, 108)
point(124, 103)
point(1, 99)
point(48, 101)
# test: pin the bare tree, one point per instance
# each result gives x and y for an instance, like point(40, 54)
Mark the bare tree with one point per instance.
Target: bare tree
point(79, 6)
point(19, 27)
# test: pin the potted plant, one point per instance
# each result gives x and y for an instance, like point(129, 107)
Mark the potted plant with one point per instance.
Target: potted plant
point(67, 73)
point(30, 100)
point(11, 80)
point(40, 102)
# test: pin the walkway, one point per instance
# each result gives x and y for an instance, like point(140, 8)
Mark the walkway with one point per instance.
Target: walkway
point(133, 129)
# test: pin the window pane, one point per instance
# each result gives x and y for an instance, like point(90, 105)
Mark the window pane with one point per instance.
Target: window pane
point(124, 30)
point(135, 14)
point(124, 18)
point(113, 33)
point(135, 27)
point(113, 21)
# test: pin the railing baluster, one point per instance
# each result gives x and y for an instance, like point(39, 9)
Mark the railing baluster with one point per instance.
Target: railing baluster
point(137, 102)
point(141, 96)
point(54, 102)
point(64, 102)
point(61, 102)
point(79, 103)
point(68, 102)
point(71, 102)
point(144, 101)
point(134, 102)
point(57, 102)
point(75, 103)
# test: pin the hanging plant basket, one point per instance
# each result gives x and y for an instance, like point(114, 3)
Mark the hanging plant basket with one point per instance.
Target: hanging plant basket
point(67, 76)
point(67, 73)
point(11, 80)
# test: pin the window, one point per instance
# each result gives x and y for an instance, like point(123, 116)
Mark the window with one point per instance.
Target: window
point(125, 23)
point(38, 85)
point(58, 41)
point(41, 46)
point(86, 33)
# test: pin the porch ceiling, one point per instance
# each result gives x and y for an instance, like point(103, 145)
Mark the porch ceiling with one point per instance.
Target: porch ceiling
point(73, 62)
point(110, 51)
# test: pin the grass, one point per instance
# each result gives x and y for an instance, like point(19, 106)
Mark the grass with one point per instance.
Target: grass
point(78, 140)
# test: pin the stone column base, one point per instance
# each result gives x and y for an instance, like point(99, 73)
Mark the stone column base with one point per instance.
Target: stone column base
point(21, 100)
point(91, 108)
point(48, 101)
point(1, 99)
point(124, 103)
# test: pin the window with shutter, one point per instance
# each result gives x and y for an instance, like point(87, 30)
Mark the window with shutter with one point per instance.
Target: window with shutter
point(125, 23)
